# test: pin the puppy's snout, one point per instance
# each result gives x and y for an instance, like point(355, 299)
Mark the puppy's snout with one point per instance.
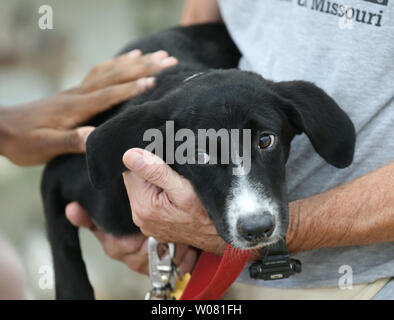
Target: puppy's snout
point(256, 227)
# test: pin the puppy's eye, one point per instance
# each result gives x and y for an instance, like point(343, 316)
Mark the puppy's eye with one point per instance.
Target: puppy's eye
point(266, 141)
point(202, 157)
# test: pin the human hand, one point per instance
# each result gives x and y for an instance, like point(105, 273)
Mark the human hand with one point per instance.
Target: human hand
point(36, 132)
point(131, 250)
point(165, 205)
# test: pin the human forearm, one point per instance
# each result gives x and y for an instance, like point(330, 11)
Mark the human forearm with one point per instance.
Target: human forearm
point(360, 212)
point(36, 132)
point(200, 11)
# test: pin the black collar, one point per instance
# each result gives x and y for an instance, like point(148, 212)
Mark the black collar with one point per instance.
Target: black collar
point(275, 263)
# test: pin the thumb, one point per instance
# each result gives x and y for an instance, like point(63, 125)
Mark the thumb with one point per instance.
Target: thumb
point(153, 169)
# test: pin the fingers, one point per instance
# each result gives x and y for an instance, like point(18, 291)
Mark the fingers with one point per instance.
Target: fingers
point(188, 262)
point(153, 169)
point(113, 82)
point(126, 68)
point(41, 126)
point(101, 100)
point(145, 184)
point(115, 247)
point(114, 63)
point(185, 258)
point(78, 216)
point(42, 145)
point(139, 261)
point(132, 250)
point(128, 74)
point(142, 196)
point(50, 143)
point(57, 142)
point(84, 107)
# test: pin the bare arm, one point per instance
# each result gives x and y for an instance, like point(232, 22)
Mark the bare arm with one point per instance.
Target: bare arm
point(360, 212)
point(201, 11)
point(357, 213)
point(37, 131)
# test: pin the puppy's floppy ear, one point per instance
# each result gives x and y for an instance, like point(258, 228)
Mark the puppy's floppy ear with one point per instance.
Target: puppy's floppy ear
point(328, 127)
point(107, 144)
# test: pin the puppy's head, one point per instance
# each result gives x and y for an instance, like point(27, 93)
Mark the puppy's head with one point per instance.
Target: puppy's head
point(243, 126)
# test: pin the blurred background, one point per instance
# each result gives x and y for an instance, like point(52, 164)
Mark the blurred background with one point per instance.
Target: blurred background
point(35, 63)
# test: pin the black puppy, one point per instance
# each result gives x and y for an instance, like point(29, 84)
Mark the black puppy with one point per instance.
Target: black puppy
point(249, 208)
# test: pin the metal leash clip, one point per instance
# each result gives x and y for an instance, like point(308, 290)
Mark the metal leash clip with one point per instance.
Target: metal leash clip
point(162, 271)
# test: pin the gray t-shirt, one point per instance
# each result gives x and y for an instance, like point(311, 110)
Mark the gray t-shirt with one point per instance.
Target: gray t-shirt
point(345, 47)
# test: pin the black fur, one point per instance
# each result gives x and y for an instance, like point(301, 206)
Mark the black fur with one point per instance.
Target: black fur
point(216, 99)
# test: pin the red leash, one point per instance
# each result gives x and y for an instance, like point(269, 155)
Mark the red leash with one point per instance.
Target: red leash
point(213, 275)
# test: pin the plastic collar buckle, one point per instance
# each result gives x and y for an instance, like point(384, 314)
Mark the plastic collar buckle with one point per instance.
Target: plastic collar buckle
point(275, 264)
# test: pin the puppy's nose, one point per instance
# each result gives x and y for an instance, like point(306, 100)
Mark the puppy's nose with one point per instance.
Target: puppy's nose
point(256, 227)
